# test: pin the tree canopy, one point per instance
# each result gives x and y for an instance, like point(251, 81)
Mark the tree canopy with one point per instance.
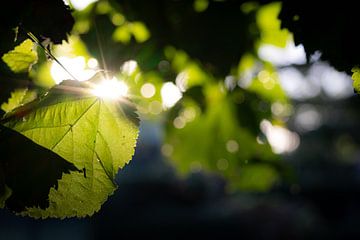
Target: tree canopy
point(74, 83)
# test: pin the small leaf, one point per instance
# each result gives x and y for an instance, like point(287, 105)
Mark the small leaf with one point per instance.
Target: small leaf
point(356, 79)
point(18, 97)
point(21, 58)
point(122, 34)
point(140, 32)
point(97, 135)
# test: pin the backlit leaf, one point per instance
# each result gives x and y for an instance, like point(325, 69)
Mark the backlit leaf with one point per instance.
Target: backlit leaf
point(96, 135)
point(21, 58)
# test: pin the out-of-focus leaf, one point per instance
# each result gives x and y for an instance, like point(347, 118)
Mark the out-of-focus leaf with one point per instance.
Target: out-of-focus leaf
point(122, 34)
point(18, 97)
point(178, 24)
point(256, 177)
point(356, 79)
point(270, 26)
point(140, 32)
point(214, 140)
point(267, 85)
point(96, 135)
point(22, 57)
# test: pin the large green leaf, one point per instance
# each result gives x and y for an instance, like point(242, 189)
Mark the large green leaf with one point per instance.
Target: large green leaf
point(21, 58)
point(96, 135)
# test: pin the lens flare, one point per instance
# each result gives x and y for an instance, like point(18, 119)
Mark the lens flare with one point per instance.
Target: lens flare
point(110, 89)
point(76, 66)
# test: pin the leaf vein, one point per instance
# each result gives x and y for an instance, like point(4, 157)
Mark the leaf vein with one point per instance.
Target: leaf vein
point(76, 121)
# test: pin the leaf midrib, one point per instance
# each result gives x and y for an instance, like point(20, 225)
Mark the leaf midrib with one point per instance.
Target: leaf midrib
point(74, 124)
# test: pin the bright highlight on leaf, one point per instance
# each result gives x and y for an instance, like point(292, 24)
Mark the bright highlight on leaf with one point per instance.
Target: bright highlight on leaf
point(22, 57)
point(95, 135)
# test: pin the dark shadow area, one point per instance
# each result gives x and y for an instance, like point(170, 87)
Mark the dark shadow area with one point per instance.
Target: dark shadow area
point(30, 185)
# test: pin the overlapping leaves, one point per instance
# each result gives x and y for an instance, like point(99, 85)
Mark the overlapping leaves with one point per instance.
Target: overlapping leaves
point(89, 137)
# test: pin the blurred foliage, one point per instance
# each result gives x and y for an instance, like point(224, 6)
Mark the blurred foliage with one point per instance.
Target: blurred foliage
point(50, 21)
point(227, 90)
point(208, 51)
point(270, 26)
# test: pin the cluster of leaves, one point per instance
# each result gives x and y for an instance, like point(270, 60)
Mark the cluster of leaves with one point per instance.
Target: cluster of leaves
point(49, 20)
point(180, 44)
point(93, 137)
point(72, 142)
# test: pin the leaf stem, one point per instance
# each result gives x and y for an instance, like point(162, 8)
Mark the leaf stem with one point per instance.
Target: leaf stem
point(34, 38)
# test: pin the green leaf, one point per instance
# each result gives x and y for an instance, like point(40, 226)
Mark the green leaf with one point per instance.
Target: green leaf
point(140, 32)
point(257, 177)
point(270, 26)
point(27, 171)
point(22, 57)
point(122, 34)
point(267, 85)
point(224, 145)
point(18, 97)
point(97, 135)
point(356, 79)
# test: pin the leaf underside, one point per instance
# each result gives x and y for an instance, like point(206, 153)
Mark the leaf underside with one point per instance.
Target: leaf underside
point(97, 136)
point(21, 58)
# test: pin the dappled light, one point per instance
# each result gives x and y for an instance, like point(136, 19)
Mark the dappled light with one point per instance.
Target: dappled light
point(147, 90)
point(291, 54)
point(93, 63)
point(281, 139)
point(181, 81)
point(320, 78)
point(232, 146)
point(215, 117)
point(129, 67)
point(307, 118)
point(170, 94)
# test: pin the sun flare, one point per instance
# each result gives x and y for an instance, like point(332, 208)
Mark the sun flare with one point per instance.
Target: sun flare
point(110, 89)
